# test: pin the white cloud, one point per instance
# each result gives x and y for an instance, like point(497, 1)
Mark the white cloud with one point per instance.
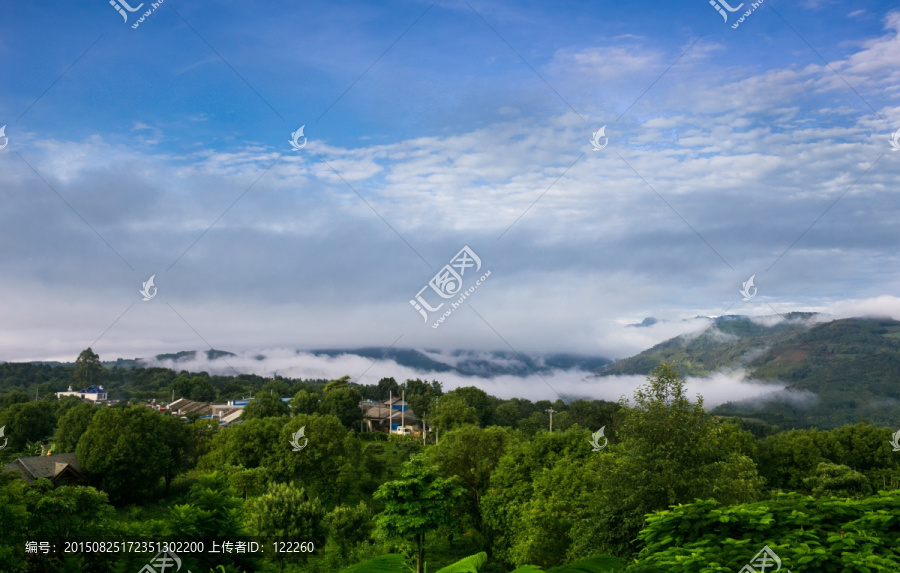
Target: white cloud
point(716, 389)
point(716, 162)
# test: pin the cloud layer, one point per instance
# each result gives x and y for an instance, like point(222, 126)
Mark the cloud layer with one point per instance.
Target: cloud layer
point(721, 165)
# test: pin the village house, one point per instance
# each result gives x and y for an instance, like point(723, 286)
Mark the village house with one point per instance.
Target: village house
point(60, 469)
point(390, 416)
point(91, 393)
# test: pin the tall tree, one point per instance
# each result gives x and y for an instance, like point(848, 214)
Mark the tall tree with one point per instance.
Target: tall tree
point(471, 454)
point(72, 425)
point(453, 412)
point(420, 396)
point(342, 402)
point(88, 369)
point(348, 525)
point(386, 387)
point(329, 463)
point(129, 450)
point(28, 422)
point(512, 482)
point(305, 402)
point(478, 399)
point(285, 513)
point(175, 436)
point(248, 444)
point(61, 513)
point(417, 503)
point(265, 406)
point(672, 452)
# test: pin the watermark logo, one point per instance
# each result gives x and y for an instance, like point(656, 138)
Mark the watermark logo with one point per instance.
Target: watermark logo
point(146, 289)
point(746, 289)
point(118, 4)
point(718, 4)
point(163, 563)
point(3, 139)
point(595, 440)
point(5, 440)
point(447, 284)
point(715, 4)
point(295, 138)
point(765, 559)
point(895, 442)
point(115, 4)
point(600, 133)
point(895, 140)
point(295, 440)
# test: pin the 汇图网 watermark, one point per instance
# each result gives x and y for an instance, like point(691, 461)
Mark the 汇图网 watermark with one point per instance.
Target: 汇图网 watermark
point(448, 283)
point(746, 289)
point(295, 139)
point(766, 559)
point(145, 290)
point(295, 439)
point(595, 440)
point(124, 8)
point(723, 8)
point(163, 562)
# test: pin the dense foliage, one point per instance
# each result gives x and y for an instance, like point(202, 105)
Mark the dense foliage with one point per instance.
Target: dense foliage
point(491, 489)
point(846, 370)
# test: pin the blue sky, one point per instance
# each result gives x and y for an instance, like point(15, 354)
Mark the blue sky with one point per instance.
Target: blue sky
point(762, 150)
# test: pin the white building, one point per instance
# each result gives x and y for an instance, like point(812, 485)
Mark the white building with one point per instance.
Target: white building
point(92, 393)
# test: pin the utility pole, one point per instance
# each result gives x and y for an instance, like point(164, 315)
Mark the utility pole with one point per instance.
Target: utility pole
point(403, 410)
point(390, 411)
point(551, 410)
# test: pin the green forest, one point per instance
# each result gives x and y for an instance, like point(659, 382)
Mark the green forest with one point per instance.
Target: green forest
point(849, 365)
point(653, 482)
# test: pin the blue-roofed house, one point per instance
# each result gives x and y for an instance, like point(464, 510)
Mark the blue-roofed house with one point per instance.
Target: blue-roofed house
point(92, 393)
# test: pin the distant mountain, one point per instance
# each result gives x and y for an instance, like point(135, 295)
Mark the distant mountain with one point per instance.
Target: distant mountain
point(465, 362)
point(187, 355)
point(183, 356)
point(649, 321)
point(473, 363)
point(730, 341)
point(852, 366)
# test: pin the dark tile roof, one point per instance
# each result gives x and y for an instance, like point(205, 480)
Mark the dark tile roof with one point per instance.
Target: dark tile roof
point(382, 412)
point(43, 466)
point(185, 406)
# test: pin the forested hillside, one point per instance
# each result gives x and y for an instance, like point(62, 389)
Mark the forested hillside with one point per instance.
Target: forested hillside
point(851, 366)
point(654, 483)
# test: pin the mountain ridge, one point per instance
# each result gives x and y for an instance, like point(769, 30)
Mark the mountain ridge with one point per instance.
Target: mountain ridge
point(850, 366)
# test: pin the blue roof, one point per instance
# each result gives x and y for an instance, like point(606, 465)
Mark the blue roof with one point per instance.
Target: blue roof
point(93, 390)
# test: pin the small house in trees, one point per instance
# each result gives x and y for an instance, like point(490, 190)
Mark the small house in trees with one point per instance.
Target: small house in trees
point(61, 469)
point(185, 407)
point(388, 415)
point(91, 393)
